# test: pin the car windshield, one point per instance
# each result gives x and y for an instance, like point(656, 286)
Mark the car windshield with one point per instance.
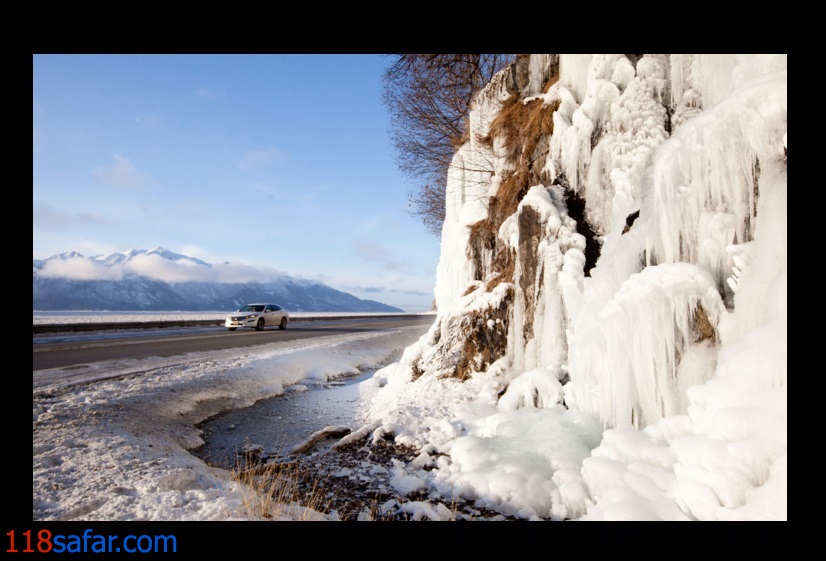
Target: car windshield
point(252, 309)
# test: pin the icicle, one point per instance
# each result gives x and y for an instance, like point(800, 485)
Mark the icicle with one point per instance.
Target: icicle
point(625, 364)
point(703, 179)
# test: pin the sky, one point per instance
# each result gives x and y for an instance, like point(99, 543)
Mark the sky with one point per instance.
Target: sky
point(613, 408)
point(281, 162)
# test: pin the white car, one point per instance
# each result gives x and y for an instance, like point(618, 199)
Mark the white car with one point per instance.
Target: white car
point(258, 316)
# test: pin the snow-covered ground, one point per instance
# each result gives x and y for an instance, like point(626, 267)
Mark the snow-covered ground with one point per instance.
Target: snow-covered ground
point(111, 442)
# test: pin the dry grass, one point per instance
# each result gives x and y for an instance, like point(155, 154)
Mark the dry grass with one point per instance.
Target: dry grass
point(523, 124)
point(470, 289)
point(280, 491)
point(504, 268)
point(524, 128)
point(415, 368)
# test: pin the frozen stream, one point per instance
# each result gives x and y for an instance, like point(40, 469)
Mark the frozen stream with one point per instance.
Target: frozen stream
point(281, 422)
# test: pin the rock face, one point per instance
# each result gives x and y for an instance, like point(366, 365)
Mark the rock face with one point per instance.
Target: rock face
point(606, 216)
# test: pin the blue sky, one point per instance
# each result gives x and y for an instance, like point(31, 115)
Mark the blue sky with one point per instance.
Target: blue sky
point(277, 161)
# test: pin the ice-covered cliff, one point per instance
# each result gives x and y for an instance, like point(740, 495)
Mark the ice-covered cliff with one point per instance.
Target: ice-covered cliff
point(611, 335)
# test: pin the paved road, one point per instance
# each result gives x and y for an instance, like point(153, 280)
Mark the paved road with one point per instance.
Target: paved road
point(88, 349)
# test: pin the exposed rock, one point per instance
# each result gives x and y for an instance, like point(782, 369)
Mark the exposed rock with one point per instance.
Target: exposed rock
point(701, 327)
point(473, 338)
point(530, 229)
point(630, 221)
point(576, 210)
point(486, 338)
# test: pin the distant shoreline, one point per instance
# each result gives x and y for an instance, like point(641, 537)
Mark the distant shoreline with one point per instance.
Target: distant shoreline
point(106, 317)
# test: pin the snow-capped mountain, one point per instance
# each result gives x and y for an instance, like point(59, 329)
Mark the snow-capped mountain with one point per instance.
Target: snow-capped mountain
point(161, 280)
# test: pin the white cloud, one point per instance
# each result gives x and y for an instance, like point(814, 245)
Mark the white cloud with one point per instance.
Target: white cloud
point(383, 224)
point(195, 251)
point(374, 252)
point(185, 270)
point(158, 268)
point(284, 195)
point(260, 156)
point(381, 289)
point(80, 268)
point(147, 120)
point(244, 273)
point(121, 173)
point(46, 216)
point(203, 92)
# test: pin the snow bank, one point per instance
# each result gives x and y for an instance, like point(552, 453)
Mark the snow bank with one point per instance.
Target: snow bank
point(118, 449)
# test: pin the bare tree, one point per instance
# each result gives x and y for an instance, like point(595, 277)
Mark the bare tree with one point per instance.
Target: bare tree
point(428, 97)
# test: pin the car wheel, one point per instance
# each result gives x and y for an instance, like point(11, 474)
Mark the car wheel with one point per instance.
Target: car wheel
point(283, 324)
point(231, 328)
point(260, 325)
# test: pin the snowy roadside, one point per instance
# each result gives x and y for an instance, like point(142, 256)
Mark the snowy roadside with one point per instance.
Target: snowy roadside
point(111, 442)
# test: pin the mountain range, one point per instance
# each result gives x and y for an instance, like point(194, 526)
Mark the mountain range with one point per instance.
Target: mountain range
point(162, 280)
